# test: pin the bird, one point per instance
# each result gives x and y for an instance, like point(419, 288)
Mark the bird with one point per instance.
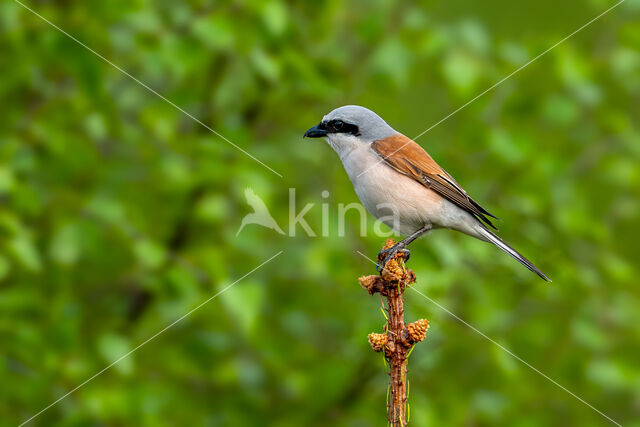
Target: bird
point(260, 214)
point(401, 185)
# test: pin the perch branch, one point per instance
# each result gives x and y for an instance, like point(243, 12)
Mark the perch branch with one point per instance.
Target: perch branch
point(399, 338)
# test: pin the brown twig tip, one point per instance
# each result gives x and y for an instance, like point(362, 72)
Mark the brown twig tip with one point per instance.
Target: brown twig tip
point(392, 272)
point(389, 244)
point(417, 330)
point(371, 283)
point(377, 341)
point(410, 277)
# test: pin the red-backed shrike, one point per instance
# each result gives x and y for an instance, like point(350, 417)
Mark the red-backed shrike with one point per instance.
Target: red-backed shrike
point(391, 173)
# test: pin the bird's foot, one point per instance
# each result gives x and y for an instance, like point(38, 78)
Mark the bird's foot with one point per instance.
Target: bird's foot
point(386, 255)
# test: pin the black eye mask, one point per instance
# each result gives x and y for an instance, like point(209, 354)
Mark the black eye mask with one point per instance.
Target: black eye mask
point(338, 126)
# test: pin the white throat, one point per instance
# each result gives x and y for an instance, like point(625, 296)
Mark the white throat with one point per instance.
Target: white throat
point(344, 144)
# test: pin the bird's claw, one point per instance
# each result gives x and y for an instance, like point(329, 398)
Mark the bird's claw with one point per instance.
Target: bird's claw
point(386, 255)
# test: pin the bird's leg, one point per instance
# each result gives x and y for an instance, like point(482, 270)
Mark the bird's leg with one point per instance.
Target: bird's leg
point(385, 255)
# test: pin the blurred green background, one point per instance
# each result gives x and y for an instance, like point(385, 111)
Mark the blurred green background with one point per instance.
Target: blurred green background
point(118, 213)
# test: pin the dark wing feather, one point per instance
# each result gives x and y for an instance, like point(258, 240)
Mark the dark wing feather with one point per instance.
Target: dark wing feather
point(410, 159)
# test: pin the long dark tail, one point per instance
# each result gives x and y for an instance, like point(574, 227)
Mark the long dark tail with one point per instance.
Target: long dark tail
point(490, 237)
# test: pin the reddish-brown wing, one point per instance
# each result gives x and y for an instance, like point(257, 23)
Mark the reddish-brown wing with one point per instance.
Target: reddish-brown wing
point(410, 159)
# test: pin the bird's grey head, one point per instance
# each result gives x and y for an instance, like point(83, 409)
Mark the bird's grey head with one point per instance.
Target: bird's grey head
point(348, 126)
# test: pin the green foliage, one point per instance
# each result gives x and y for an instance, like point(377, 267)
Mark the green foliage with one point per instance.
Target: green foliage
point(118, 213)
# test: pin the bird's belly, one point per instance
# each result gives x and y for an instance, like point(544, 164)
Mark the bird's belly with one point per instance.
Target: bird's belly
point(396, 200)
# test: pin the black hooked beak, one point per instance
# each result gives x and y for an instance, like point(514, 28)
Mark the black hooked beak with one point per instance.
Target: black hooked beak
point(316, 132)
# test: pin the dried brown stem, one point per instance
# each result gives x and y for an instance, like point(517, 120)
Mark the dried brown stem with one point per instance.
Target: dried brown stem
point(399, 338)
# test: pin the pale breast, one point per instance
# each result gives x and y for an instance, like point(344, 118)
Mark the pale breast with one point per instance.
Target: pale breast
point(399, 201)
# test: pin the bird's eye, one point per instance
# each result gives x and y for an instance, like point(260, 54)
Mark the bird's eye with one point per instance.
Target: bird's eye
point(337, 125)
